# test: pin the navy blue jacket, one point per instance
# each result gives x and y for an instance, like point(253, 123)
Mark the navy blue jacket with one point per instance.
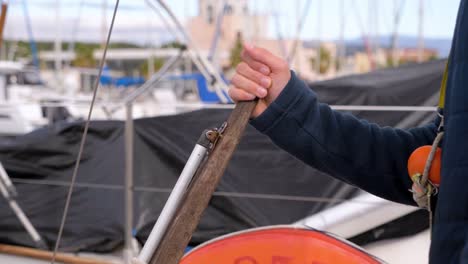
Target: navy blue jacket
point(375, 158)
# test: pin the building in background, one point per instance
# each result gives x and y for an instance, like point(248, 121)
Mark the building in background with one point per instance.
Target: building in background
point(240, 24)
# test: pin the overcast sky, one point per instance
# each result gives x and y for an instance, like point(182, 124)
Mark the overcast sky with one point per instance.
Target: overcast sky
point(138, 23)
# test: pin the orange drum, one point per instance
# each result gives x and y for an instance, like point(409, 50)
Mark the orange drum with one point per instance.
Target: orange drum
point(278, 245)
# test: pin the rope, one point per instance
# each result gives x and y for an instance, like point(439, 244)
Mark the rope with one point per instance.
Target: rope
point(427, 167)
point(83, 138)
point(422, 188)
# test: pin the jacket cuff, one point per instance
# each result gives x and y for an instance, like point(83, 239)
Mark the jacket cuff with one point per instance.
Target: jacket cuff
point(276, 110)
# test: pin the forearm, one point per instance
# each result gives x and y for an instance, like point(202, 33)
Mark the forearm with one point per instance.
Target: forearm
point(363, 154)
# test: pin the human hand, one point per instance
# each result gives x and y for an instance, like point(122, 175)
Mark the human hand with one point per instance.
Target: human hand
point(260, 74)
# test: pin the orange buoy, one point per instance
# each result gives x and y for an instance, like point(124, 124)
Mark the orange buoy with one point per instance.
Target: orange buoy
point(417, 161)
point(278, 245)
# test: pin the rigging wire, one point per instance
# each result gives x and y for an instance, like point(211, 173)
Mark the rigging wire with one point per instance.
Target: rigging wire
point(358, 17)
point(72, 44)
point(47, 4)
point(210, 74)
point(32, 42)
point(161, 190)
point(218, 29)
point(299, 27)
point(170, 29)
point(279, 35)
point(319, 40)
point(365, 32)
point(341, 57)
point(85, 133)
point(397, 13)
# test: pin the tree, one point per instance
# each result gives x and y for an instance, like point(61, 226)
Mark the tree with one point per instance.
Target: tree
point(325, 61)
point(235, 56)
point(84, 55)
point(172, 44)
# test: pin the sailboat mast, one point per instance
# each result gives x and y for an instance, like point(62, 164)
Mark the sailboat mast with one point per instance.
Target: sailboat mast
point(32, 42)
point(341, 50)
point(58, 45)
point(398, 8)
point(293, 54)
point(376, 23)
point(319, 37)
point(370, 33)
point(374, 29)
point(292, 57)
point(421, 32)
point(103, 22)
point(74, 32)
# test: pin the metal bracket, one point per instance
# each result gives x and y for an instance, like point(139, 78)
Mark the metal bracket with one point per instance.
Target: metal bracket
point(215, 134)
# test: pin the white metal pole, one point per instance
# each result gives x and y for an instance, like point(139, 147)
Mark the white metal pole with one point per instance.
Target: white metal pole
point(7, 182)
point(23, 218)
point(128, 251)
point(172, 204)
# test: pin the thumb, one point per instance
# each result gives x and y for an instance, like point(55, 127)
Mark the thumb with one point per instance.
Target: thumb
point(262, 55)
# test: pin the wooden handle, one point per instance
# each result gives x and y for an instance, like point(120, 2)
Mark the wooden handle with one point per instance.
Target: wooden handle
point(179, 233)
point(47, 256)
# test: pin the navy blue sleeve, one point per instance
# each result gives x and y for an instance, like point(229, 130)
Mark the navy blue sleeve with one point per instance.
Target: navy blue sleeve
point(363, 154)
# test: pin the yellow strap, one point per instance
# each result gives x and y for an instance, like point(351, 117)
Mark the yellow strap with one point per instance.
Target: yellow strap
point(443, 87)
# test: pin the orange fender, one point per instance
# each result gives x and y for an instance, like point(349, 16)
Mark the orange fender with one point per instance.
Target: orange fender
point(417, 161)
point(278, 245)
